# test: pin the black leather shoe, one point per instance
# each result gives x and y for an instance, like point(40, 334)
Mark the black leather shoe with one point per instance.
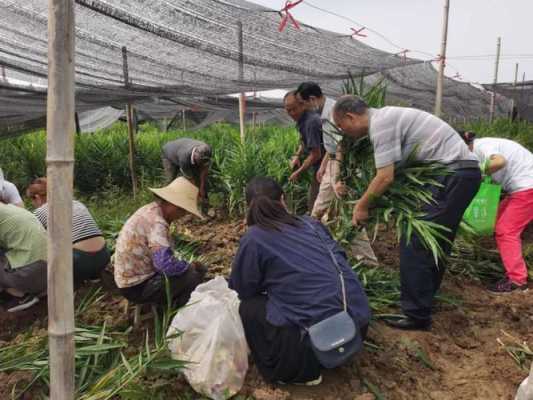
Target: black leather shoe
point(410, 324)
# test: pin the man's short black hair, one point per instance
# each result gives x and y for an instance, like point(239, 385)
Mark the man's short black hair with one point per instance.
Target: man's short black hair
point(308, 89)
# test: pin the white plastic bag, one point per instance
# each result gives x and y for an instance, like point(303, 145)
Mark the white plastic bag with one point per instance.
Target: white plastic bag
point(525, 391)
point(212, 341)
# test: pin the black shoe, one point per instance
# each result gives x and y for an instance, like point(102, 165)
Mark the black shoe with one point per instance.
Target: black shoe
point(410, 324)
point(506, 286)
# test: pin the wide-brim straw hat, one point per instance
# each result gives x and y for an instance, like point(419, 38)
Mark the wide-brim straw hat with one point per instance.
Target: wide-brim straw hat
point(182, 194)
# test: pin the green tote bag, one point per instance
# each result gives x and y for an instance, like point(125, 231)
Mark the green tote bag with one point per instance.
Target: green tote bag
point(481, 214)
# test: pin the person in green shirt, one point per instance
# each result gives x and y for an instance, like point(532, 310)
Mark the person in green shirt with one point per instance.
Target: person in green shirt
point(22, 258)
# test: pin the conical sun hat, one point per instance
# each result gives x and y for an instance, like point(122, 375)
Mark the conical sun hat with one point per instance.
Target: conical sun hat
point(181, 193)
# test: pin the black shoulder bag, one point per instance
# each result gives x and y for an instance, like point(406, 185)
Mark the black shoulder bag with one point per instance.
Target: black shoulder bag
point(337, 338)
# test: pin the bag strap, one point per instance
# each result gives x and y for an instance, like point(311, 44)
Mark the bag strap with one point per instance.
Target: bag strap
point(335, 262)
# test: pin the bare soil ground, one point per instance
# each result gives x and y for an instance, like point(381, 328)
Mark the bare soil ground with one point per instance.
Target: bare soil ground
point(460, 358)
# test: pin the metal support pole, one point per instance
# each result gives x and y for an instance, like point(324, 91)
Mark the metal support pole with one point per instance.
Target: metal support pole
point(242, 99)
point(493, 94)
point(131, 125)
point(60, 128)
point(440, 78)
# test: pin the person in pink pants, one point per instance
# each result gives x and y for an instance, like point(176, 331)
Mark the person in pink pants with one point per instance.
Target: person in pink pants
point(510, 165)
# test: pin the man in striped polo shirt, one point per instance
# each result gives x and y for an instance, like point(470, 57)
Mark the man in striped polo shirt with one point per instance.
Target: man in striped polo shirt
point(394, 133)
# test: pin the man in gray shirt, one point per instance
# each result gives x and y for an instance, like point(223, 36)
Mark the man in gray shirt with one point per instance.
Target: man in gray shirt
point(394, 133)
point(190, 158)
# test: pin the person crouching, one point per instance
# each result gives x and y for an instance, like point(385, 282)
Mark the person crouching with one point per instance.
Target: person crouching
point(144, 253)
point(287, 282)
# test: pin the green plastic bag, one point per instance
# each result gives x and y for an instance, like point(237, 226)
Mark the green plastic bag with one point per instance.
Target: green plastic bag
point(481, 214)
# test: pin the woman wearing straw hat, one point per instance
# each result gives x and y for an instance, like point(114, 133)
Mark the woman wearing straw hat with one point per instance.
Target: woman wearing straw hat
point(144, 251)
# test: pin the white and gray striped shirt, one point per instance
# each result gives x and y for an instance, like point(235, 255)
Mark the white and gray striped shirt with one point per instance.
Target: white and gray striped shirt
point(83, 224)
point(396, 131)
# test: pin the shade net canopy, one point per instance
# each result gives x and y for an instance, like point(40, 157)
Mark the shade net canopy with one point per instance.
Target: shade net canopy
point(142, 51)
point(521, 94)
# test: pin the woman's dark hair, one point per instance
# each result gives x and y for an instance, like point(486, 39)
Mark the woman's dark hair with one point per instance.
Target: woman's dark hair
point(265, 209)
point(467, 136)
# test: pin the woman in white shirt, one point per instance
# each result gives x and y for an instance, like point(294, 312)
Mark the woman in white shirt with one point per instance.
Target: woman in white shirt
point(511, 165)
point(9, 193)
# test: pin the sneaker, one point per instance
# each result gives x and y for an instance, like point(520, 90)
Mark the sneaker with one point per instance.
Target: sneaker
point(506, 286)
point(315, 382)
point(21, 303)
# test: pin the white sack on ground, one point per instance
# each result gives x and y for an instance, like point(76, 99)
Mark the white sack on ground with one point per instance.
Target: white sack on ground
point(212, 341)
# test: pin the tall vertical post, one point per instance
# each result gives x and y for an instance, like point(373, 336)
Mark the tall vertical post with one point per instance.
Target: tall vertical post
point(242, 99)
point(493, 94)
point(60, 128)
point(4, 78)
point(442, 65)
point(254, 114)
point(513, 101)
point(77, 121)
point(131, 126)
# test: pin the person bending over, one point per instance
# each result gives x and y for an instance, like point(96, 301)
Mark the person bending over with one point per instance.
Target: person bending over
point(396, 133)
point(511, 165)
point(189, 158)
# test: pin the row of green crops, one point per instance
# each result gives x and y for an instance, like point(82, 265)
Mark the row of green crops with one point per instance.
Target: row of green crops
point(101, 160)
point(519, 131)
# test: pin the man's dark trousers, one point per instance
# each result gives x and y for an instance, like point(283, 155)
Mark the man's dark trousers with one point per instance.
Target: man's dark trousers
point(420, 276)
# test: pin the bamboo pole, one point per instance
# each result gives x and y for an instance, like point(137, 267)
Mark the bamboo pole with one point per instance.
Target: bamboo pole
point(242, 99)
point(60, 160)
point(131, 125)
point(442, 65)
point(493, 94)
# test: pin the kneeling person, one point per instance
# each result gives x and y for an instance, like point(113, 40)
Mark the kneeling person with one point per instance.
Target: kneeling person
point(89, 249)
point(23, 257)
point(144, 251)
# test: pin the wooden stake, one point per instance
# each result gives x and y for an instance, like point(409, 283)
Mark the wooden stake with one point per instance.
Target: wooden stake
point(131, 125)
point(60, 160)
point(493, 94)
point(254, 114)
point(440, 78)
point(77, 121)
point(242, 99)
